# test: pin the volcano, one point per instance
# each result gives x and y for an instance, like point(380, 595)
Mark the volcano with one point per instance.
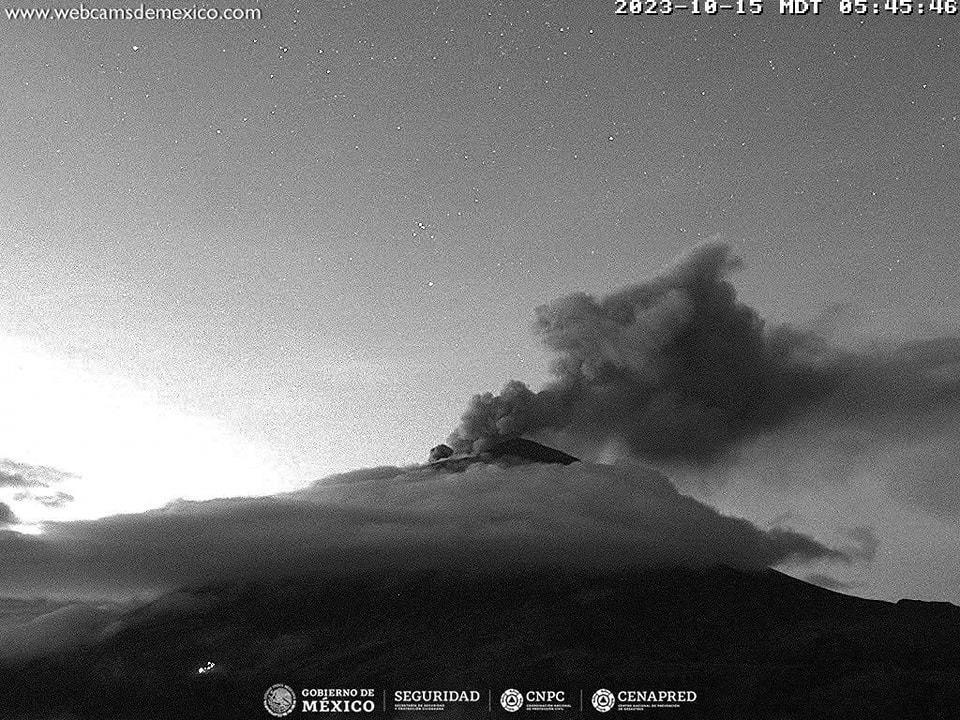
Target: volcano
point(511, 451)
point(749, 644)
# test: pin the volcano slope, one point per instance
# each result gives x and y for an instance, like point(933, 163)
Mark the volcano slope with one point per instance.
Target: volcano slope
point(750, 644)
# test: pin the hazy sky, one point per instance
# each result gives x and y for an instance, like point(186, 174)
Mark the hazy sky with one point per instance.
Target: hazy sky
point(243, 255)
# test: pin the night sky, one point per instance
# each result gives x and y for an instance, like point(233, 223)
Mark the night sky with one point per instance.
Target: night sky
point(241, 255)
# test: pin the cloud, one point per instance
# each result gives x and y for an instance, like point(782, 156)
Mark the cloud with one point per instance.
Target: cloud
point(23, 475)
point(6, 515)
point(678, 371)
point(34, 483)
point(570, 518)
point(56, 499)
point(14, 480)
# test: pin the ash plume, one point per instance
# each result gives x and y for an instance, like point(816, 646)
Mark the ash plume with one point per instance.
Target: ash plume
point(678, 371)
point(676, 367)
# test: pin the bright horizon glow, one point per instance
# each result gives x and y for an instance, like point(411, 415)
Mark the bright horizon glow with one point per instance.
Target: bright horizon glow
point(26, 529)
point(125, 449)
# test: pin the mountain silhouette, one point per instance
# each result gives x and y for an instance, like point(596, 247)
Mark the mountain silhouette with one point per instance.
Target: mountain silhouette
point(510, 451)
point(750, 644)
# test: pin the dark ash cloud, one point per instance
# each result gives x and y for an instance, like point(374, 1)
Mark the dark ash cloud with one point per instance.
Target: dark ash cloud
point(675, 367)
point(570, 518)
point(678, 371)
point(7, 516)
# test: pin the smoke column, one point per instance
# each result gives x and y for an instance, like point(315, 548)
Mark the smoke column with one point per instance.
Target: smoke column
point(677, 369)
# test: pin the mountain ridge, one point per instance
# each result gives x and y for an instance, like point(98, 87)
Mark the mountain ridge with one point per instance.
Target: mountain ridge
point(751, 644)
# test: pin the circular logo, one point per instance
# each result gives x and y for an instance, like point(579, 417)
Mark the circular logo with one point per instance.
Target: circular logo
point(279, 700)
point(603, 700)
point(511, 700)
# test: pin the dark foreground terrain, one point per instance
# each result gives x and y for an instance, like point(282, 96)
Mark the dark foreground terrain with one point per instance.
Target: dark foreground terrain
point(752, 645)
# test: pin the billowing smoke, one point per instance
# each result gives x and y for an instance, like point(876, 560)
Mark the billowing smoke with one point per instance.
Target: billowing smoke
point(676, 367)
point(678, 371)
